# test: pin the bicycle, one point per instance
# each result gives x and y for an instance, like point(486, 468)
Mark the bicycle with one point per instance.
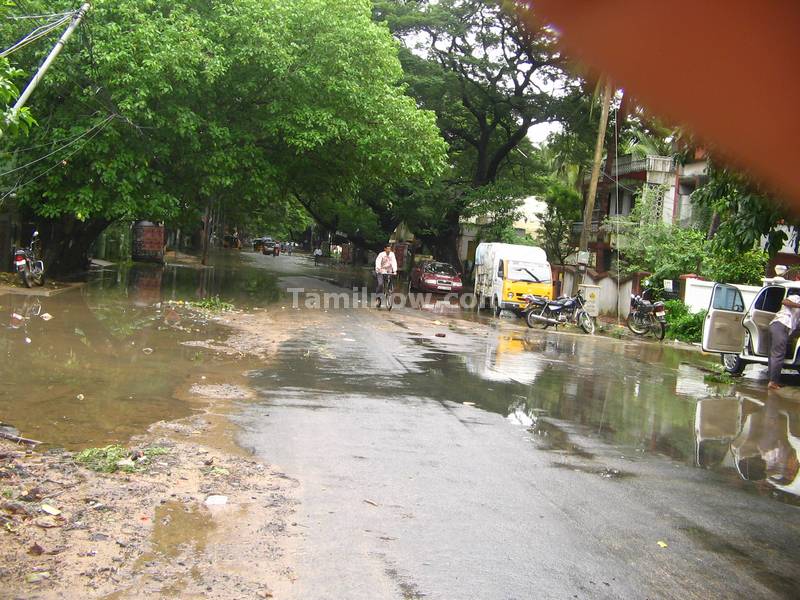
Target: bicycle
point(387, 290)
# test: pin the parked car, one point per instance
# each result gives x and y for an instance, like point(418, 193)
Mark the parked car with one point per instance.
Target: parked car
point(434, 276)
point(258, 243)
point(741, 334)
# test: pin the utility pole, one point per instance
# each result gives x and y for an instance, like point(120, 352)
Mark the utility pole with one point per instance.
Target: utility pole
point(26, 94)
point(598, 158)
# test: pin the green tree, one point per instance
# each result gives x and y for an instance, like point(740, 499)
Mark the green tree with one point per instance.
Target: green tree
point(740, 212)
point(12, 122)
point(564, 208)
point(247, 105)
point(487, 77)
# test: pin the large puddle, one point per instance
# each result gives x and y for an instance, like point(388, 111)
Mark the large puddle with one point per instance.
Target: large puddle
point(95, 364)
point(643, 398)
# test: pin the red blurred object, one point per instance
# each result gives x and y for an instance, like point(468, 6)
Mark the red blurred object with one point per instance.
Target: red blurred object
point(729, 71)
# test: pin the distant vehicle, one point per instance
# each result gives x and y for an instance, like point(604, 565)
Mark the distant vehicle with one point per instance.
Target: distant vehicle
point(258, 243)
point(506, 273)
point(434, 276)
point(271, 247)
point(740, 334)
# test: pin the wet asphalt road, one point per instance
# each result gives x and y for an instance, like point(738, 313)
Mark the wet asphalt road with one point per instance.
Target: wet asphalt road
point(570, 472)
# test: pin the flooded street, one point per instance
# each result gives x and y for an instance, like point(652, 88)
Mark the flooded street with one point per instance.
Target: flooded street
point(437, 454)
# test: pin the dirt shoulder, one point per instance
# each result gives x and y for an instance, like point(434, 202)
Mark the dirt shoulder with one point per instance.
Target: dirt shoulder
point(187, 513)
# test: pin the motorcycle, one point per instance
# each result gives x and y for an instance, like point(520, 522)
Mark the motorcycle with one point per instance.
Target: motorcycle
point(542, 312)
point(646, 316)
point(28, 264)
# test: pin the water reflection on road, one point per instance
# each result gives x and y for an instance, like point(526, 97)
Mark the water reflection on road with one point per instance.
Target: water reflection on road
point(95, 364)
point(106, 361)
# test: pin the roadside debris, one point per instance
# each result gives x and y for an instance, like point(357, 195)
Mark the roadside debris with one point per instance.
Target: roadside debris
point(216, 500)
point(118, 519)
point(370, 502)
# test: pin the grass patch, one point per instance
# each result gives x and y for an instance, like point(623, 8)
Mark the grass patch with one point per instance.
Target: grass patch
point(720, 375)
point(213, 304)
point(111, 459)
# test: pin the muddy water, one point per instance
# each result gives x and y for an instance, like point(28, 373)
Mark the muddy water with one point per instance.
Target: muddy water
point(94, 365)
point(643, 398)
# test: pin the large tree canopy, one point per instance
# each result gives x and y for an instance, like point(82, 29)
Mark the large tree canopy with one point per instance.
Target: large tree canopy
point(489, 79)
point(159, 106)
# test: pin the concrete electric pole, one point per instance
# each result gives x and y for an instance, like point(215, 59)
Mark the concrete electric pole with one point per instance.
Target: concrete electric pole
point(26, 94)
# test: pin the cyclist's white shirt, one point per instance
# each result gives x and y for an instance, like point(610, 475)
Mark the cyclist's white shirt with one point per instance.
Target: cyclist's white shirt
point(386, 263)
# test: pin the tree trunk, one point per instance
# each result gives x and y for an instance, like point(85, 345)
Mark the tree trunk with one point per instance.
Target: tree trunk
point(714, 226)
point(66, 242)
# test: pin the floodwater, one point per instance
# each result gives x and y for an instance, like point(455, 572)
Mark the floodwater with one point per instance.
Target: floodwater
point(96, 364)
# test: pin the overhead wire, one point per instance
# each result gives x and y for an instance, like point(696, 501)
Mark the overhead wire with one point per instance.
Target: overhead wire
point(57, 150)
point(38, 33)
point(98, 128)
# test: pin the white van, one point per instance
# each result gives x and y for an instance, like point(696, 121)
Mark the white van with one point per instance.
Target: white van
point(741, 335)
point(505, 273)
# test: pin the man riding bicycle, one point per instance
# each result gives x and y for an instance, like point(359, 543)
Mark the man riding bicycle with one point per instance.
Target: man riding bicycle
point(385, 269)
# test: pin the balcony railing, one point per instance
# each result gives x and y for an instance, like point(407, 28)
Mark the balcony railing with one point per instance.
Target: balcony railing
point(627, 164)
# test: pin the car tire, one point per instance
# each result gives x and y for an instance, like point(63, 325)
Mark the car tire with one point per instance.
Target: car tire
point(733, 364)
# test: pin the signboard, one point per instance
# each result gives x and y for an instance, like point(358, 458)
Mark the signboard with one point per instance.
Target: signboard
point(591, 298)
point(148, 242)
point(583, 258)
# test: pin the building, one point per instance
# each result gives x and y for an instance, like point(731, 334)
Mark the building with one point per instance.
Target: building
point(617, 194)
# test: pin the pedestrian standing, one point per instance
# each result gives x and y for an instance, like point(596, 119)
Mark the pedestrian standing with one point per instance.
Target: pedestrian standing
point(780, 329)
point(317, 255)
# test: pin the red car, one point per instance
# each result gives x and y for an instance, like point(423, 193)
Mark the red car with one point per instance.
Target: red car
point(433, 276)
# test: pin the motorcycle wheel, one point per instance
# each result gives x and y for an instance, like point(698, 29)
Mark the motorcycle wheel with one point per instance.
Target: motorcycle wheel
point(659, 329)
point(536, 323)
point(636, 325)
point(586, 322)
point(27, 278)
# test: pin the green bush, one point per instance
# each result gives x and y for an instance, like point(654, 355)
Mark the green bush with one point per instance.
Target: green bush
point(683, 325)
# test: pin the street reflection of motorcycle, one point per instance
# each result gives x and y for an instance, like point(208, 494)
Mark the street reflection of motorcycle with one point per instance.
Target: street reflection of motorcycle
point(21, 316)
point(541, 312)
point(28, 264)
point(647, 317)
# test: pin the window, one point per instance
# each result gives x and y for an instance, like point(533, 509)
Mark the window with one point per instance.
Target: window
point(525, 271)
point(770, 299)
point(727, 297)
point(440, 269)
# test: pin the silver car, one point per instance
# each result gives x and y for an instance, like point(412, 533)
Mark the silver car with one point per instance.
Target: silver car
point(741, 335)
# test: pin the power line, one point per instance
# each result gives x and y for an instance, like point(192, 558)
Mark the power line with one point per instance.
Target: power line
point(49, 15)
point(38, 33)
point(57, 150)
point(60, 161)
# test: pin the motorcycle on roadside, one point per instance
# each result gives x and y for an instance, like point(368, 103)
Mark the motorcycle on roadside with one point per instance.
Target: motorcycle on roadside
point(542, 312)
point(647, 317)
point(28, 264)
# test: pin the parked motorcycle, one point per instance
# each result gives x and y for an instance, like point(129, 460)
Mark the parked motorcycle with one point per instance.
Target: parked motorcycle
point(28, 264)
point(541, 312)
point(647, 317)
